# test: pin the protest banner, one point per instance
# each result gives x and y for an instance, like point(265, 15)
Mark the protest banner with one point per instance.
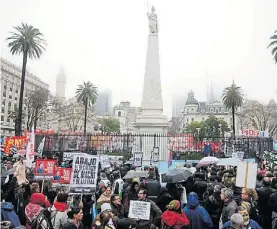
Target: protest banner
point(104, 161)
point(67, 156)
point(138, 159)
point(44, 168)
point(116, 159)
point(19, 142)
point(62, 175)
point(139, 210)
point(84, 171)
point(246, 175)
point(155, 155)
point(30, 154)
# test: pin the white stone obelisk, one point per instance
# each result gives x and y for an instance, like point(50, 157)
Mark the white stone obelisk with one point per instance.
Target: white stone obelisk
point(151, 120)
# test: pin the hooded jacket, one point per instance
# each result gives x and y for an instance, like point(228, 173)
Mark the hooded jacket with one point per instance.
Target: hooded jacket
point(174, 219)
point(197, 215)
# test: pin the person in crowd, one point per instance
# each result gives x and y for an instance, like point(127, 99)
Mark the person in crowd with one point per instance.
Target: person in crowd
point(75, 216)
point(155, 213)
point(132, 194)
point(259, 182)
point(116, 206)
point(249, 202)
point(152, 186)
point(174, 217)
point(34, 211)
point(164, 199)
point(198, 216)
point(104, 198)
point(247, 221)
point(118, 183)
point(236, 222)
point(59, 211)
point(104, 221)
point(213, 205)
point(200, 186)
point(265, 211)
point(274, 180)
point(229, 207)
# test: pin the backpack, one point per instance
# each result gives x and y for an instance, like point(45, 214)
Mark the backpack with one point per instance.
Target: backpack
point(44, 215)
point(8, 214)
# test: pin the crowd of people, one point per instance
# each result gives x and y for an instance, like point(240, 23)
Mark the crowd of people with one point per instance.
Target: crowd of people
point(208, 199)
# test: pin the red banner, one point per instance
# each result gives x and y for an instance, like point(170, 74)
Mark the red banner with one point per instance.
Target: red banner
point(62, 175)
point(20, 142)
point(45, 167)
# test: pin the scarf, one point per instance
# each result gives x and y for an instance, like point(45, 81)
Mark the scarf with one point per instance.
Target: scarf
point(174, 219)
point(32, 210)
point(104, 198)
point(60, 206)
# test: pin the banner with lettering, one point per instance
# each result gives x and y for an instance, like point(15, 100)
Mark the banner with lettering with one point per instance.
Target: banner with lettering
point(62, 175)
point(84, 171)
point(18, 142)
point(45, 168)
point(138, 156)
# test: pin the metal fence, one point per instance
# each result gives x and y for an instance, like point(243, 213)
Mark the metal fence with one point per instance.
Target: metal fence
point(181, 144)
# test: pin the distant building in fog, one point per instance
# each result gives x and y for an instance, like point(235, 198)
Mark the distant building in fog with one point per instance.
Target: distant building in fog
point(178, 103)
point(103, 104)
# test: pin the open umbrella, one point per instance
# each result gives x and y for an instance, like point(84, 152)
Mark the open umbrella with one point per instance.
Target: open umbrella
point(135, 174)
point(228, 162)
point(207, 161)
point(8, 172)
point(177, 175)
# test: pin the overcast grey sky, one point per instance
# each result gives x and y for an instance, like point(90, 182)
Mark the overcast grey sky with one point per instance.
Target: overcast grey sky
point(105, 42)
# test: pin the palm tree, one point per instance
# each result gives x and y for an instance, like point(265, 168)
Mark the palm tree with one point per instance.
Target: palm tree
point(28, 41)
point(86, 94)
point(232, 98)
point(274, 44)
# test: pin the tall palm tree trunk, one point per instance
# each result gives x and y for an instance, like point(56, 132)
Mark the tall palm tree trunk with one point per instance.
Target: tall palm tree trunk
point(85, 124)
point(19, 118)
point(233, 117)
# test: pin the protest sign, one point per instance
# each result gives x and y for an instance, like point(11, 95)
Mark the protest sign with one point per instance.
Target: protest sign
point(155, 155)
point(44, 168)
point(62, 175)
point(246, 175)
point(139, 210)
point(84, 171)
point(138, 159)
point(19, 142)
point(104, 161)
point(116, 159)
point(67, 156)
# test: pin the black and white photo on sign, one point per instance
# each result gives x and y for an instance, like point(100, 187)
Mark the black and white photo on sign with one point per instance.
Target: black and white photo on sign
point(155, 155)
point(139, 210)
point(84, 171)
point(105, 161)
point(67, 156)
point(137, 159)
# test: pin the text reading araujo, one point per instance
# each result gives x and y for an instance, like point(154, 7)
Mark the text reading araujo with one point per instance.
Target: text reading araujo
point(84, 170)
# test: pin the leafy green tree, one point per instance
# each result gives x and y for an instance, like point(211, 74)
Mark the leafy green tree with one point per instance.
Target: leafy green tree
point(196, 128)
point(233, 98)
point(86, 94)
point(273, 44)
point(214, 127)
point(28, 41)
point(110, 125)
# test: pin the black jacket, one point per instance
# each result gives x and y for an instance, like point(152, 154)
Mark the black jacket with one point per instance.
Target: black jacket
point(264, 194)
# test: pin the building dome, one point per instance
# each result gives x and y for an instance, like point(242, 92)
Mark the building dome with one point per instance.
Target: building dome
point(191, 99)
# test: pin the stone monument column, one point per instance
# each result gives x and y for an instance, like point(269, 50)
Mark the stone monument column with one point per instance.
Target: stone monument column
point(151, 120)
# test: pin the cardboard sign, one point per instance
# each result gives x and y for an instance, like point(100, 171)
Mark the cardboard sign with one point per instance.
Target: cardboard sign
point(137, 159)
point(67, 156)
point(139, 210)
point(44, 169)
point(62, 175)
point(155, 155)
point(246, 175)
point(84, 171)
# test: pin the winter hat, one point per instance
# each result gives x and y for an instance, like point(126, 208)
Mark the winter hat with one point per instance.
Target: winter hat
point(105, 206)
point(174, 205)
point(38, 198)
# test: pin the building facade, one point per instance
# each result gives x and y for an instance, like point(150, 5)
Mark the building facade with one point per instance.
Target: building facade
point(103, 104)
point(126, 114)
point(200, 111)
point(10, 91)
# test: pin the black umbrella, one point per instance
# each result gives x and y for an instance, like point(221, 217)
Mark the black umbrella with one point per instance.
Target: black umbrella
point(177, 175)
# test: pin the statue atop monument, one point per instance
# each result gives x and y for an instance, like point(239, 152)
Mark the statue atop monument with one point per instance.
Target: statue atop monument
point(153, 21)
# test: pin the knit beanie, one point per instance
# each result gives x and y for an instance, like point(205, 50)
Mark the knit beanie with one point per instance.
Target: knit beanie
point(38, 198)
point(174, 205)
